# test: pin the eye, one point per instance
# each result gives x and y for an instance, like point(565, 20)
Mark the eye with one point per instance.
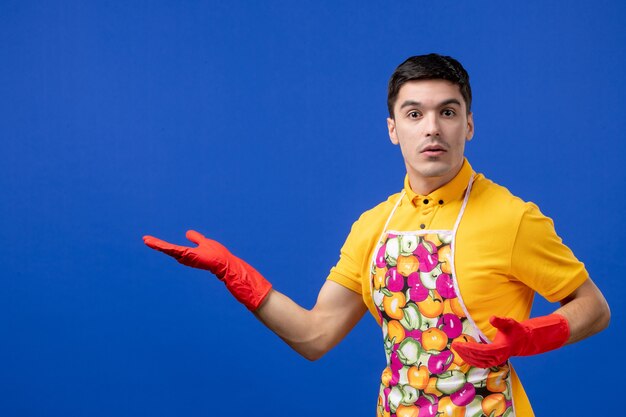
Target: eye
point(448, 112)
point(414, 114)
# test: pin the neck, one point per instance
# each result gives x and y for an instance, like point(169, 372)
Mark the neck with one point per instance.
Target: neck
point(425, 185)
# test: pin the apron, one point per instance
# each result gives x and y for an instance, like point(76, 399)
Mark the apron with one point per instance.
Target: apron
point(416, 293)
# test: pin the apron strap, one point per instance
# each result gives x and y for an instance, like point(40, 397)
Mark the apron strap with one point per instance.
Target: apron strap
point(453, 256)
point(465, 200)
point(379, 241)
point(391, 214)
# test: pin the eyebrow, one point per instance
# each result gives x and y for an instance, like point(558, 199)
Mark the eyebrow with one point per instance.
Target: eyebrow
point(417, 103)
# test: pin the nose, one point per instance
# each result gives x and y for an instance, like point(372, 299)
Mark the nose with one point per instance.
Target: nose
point(431, 124)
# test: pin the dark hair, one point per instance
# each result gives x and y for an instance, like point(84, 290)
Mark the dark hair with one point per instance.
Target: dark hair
point(429, 67)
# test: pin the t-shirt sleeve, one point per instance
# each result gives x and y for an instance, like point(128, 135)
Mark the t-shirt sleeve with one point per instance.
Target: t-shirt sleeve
point(348, 270)
point(542, 261)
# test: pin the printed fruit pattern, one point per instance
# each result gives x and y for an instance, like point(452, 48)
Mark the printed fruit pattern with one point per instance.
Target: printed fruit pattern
point(421, 313)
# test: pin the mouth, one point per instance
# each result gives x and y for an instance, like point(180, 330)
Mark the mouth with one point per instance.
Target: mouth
point(433, 150)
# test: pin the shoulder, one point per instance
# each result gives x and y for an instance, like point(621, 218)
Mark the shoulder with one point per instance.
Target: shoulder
point(370, 222)
point(486, 191)
point(381, 210)
point(494, 211)
point(496, 201)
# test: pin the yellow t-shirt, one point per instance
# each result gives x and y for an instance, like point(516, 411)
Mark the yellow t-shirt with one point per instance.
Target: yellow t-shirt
point(506, 250)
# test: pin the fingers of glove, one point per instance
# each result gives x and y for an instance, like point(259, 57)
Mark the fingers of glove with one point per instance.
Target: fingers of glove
point(504, 324)
point(195, 237)
point(207, 245)
point(482, 350)
point(190, 257)
point(482, 355)
point(165, 247)
point(486, 361)
point(511, 333)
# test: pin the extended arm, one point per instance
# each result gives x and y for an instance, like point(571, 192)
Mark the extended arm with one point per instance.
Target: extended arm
point(311, 333)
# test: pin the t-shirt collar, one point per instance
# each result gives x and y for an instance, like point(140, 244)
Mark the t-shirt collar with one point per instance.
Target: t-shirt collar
point(448, 192)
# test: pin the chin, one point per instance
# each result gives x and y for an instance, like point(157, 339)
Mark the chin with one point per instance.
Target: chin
point(436, 170)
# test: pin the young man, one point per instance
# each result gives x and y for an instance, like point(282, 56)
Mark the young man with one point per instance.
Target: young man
point(448, 267)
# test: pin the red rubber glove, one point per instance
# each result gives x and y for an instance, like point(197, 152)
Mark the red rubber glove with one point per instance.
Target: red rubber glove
point(243, 281)
point(513, 338)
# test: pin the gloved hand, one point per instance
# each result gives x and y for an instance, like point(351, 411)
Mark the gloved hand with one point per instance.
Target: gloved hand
point(536, 335)
point(243, 281)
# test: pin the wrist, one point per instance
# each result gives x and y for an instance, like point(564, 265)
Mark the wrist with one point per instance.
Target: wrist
point(245, 283)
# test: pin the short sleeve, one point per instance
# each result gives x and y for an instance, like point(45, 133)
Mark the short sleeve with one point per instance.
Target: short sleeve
point(347, 272)
point(541, 260)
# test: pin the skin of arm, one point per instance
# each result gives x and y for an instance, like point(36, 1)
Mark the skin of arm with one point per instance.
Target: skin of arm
point(586, 311)
point(313, 332)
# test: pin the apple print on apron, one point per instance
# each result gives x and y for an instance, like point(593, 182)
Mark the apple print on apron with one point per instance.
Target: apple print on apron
point(416, 293)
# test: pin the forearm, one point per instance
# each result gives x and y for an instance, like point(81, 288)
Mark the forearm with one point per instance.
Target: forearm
point(294, 324)
point(586, 311)
point(313, 332)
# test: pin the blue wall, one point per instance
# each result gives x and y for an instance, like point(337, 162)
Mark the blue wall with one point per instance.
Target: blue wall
point(262, 124)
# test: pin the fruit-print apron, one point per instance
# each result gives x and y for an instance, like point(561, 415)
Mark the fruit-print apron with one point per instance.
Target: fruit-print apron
point(416, 293)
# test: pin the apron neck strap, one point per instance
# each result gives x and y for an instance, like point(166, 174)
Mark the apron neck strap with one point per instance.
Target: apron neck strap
point(465, 200)
point(392, 212)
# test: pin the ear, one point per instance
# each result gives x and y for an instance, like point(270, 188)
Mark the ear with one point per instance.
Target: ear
point(470, 127)
point(391, 127)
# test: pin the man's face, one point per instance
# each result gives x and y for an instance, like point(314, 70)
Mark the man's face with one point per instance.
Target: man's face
point(431, 125)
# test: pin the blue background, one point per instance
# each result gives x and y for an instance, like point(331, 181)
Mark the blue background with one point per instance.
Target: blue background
point(262, 125)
